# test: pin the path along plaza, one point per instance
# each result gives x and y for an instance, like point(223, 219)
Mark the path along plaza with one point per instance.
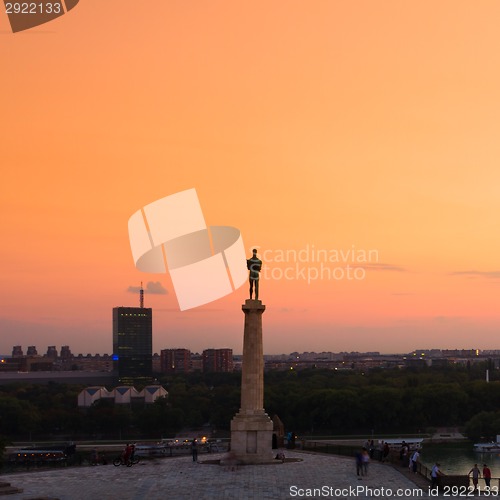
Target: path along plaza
point(311, 476)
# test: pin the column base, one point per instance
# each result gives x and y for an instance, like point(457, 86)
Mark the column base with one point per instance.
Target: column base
point(252, 437)
point(253, 304)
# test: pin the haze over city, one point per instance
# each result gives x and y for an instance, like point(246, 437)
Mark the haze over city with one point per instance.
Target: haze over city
point(355, 145)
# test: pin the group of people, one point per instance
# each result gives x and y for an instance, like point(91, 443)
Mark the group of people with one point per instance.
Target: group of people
point(380, 451)
point(476, 474)
point(410, 458)
point(363, 457)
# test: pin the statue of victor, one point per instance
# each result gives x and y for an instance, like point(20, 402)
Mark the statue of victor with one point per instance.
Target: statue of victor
point(254, 265)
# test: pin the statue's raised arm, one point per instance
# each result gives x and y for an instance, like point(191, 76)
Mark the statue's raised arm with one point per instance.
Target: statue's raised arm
point(254, 265)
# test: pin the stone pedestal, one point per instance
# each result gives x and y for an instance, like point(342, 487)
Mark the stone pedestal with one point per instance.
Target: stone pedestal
point(251, 427)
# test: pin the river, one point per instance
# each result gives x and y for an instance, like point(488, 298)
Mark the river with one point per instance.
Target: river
point(458, 458)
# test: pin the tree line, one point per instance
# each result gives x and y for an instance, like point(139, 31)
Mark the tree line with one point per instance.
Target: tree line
point(312, 401)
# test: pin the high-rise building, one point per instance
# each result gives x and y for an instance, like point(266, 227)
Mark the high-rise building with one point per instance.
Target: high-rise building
point(175, 360)
point(51, 352)
point(133, 342)
point(17, 351)
point(218, 360)
point(32, 351)
point(66, 352)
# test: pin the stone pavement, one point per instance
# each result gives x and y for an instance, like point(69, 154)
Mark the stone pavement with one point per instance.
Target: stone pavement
point(180, 478)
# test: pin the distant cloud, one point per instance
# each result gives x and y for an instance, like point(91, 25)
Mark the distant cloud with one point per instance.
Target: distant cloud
point(440, 319)
point(152, 287)
point(448, 319)
point(292, 309)
point(482, 274)
point(384, 267)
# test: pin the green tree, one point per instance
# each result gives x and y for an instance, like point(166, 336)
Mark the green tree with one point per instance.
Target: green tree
point(160, 419)
point(483, 426)
point(17, 417)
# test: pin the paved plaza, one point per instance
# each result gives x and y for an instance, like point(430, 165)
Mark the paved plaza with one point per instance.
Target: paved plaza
point(181, 478)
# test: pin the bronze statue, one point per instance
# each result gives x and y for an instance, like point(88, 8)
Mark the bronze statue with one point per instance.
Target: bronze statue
point(254, 265)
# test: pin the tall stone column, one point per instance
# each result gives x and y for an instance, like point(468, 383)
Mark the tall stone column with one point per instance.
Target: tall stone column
point(251, 427)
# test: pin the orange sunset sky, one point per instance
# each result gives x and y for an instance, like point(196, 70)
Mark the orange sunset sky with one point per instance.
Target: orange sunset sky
point(338, 124)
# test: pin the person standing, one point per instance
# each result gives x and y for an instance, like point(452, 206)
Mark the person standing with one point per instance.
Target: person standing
point(371, 449)
point(414, 461)
point(487, 475)
point(403, 454)
point(435, 473)
point(476, 473)
point(385, 453)
point(127, 453)
point(365, 459)
point(194, 449)
point(359, 464)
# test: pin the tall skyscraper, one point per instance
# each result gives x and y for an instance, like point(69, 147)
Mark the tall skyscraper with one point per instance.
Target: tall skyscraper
point(133, 342)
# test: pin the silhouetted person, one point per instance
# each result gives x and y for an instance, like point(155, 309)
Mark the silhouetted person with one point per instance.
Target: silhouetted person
point(127, 453)
point(487, 475)
point(476, 473)
point(359, 464)
point(194, 450)
point(254, 265)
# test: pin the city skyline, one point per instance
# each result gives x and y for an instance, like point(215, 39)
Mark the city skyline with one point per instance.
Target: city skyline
point(356, 147)
point(24, 351)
